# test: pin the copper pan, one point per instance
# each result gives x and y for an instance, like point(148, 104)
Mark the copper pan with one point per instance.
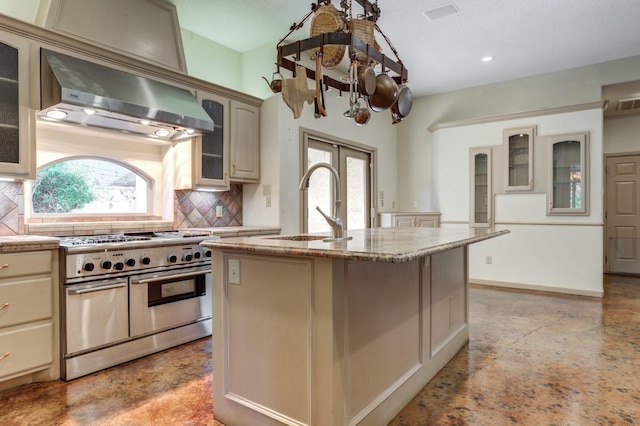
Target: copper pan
point(401, 108)
point(386, 93)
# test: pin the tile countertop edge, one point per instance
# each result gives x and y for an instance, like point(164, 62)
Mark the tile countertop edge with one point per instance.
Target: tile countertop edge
point(268, 245)
point(21, 243)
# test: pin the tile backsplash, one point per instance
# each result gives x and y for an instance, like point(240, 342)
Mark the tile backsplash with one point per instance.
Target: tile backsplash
point(11, 208)
point(197, 209)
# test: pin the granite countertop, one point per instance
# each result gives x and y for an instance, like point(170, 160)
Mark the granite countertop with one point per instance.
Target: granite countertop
point(236, 231)
point(376, 244)
point(18, 243)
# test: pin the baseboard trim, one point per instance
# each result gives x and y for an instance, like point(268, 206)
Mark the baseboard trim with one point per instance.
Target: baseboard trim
point(536, 287)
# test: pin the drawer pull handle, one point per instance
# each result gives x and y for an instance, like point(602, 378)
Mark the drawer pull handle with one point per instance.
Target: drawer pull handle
point(6, 305)
point(5, 266)
point(4, 355)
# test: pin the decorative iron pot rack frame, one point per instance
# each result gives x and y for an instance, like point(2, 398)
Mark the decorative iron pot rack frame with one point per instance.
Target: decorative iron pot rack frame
point(296, 48)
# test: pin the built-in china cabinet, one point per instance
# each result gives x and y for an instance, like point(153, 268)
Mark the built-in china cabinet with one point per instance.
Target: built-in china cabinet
point(568, 174)
point(480, 190)
point(518, 148)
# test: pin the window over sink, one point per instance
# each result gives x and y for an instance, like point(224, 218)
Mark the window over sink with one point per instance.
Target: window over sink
point(91, 186)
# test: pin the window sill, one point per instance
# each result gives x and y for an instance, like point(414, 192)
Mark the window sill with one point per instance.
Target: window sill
point(96, 228)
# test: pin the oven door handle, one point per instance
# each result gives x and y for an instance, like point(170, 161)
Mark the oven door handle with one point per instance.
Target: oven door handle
point(157, 278)
point(75, 292)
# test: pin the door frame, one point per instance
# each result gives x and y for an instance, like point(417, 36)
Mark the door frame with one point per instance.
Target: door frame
point(305, 135)
point(605, 236)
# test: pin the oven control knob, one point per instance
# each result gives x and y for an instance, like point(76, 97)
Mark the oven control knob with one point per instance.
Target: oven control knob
point(106, 264)
point(207, 253)
point(88, 266)
point(187, 257)
point(197, 255)
point(145, 260)
point(118, 266)
point(130, 262)
point(172, 258)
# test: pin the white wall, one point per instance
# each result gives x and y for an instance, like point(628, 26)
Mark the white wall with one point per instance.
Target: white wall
point(557, 253)
point(622, 134)
point(25, 10)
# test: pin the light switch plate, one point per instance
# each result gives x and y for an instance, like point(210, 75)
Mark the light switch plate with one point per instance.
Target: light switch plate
point(219, 211)
point(234, 271)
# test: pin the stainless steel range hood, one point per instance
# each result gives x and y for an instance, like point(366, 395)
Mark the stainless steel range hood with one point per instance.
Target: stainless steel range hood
point(94, 95)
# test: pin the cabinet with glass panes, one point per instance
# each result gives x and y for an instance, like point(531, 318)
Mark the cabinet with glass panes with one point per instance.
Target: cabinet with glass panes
point(480, 191)
point(518, 147)
point(16, 133)
point(568, 174)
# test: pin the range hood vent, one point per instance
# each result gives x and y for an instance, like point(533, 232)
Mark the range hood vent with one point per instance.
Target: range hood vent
point(94, 95)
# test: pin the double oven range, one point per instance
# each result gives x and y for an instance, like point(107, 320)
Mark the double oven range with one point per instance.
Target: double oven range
point(125, 296)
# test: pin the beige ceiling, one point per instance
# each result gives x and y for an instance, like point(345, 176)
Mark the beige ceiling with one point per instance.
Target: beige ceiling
point(525, 37)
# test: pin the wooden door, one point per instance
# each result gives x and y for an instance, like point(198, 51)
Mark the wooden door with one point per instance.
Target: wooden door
point(622, 214)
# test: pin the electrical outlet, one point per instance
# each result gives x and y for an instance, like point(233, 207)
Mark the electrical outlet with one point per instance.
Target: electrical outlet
point(268, 201)
point(488, 260)
point(415, 204)
point(219, 211)
point(266, 189)
point(381, 202)
point(234, 271)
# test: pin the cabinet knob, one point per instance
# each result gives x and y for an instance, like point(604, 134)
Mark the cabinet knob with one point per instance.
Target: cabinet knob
point(4, 355)
point(234, 168)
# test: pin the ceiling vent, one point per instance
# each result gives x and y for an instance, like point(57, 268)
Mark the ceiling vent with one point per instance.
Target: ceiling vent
point(628, 104)
point(441, 12)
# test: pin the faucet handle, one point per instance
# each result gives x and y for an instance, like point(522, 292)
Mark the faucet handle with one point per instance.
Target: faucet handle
point(328, 218)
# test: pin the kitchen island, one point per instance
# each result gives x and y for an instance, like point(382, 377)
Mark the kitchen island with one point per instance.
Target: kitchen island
point(307, 332)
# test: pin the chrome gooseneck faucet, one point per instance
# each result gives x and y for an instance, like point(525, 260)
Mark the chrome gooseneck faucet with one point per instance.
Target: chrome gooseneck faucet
point(335, 222)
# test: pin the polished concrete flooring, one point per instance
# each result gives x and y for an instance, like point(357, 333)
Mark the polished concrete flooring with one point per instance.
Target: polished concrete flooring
point(533, 359)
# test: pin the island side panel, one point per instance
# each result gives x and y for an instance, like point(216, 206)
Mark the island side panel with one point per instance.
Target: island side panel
point(263, 346)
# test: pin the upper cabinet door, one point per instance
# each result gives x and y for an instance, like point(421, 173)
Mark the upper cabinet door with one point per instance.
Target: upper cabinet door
point(211, 151)
point(518, 147)
point(17, 147)
point(245, 143)
point(568, 174)
point(480, 191)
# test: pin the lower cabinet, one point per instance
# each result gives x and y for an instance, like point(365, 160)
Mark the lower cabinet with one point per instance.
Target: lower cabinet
point(410, 220)
point(28, 311)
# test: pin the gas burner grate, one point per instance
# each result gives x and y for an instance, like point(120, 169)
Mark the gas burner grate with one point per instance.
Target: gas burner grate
point(100, 239)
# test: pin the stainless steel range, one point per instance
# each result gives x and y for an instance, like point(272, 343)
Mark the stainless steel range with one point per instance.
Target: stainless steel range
point(125, 296)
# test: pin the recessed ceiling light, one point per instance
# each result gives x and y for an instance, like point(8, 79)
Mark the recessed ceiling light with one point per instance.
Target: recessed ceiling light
point(162, 133)
point(487, 58)
point(89, 111)
point(145, 122)
point(57, 114)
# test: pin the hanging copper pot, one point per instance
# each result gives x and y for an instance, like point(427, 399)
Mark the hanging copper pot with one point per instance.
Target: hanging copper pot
point(366, 80)
point(386, 93)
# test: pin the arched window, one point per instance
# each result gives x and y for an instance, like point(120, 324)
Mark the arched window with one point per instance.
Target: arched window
point(91, 185)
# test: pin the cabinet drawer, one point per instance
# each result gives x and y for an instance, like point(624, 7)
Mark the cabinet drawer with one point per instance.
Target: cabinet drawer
point(27, 347)
point(31, 263)
point(25, 300)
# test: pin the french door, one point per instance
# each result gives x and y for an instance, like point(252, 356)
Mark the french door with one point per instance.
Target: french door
point(354, 168)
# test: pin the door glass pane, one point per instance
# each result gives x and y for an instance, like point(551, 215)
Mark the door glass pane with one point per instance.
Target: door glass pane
point(320, 191)
point(9, 106)
point(213, 142)
point(356, 193)
point(519, 160)
point(567, 175)
point(481, 188)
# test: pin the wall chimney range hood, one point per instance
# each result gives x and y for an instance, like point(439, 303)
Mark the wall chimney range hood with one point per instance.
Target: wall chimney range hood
point(85, 93)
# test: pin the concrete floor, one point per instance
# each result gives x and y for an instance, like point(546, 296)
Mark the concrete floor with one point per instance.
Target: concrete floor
point(533, 359)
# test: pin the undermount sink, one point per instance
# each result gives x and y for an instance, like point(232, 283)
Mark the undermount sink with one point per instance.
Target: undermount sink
point(298, 237)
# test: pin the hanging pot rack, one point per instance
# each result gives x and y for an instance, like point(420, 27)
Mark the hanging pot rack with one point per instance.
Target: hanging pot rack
point(295, 49)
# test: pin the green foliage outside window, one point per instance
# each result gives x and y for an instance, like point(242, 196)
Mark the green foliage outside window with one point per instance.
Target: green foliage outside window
point(60, 188)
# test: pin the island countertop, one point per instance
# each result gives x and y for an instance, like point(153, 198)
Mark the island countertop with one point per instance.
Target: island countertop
point(374, 244)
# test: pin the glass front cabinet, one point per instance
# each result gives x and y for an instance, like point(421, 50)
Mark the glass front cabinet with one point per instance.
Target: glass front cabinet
point(568, 174)
point(518, 147)
point(212, 148)
point(16, 132)
point(480, 191)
